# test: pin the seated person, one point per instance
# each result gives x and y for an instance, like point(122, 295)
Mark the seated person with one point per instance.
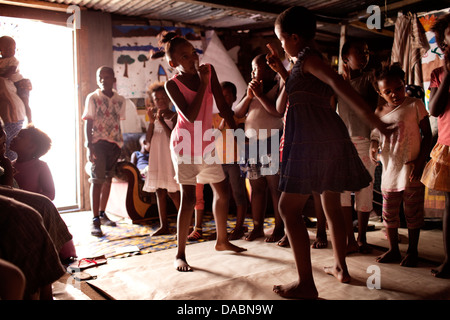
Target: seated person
point(25, 243)
point(31, 173)
point(140, 158)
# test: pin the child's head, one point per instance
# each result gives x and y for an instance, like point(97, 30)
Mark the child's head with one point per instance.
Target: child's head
point(105, 78)
point(355, 54)
point(295, 27)
point(261, 70)
point(389, 82)
point(441, 29)
point(229, 92)
point(7, 47)
point(158, 97)
point(180, 53)
point(145, 147)
point(31, 143)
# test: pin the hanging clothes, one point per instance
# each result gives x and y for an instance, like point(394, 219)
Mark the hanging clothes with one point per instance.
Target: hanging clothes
point(410, 45)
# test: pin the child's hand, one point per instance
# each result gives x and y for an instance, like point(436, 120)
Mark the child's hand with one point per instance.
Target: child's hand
point(256, 87)
point(374, 151)
point(417, 170)
point(151, 115)
point(204, 72)
point(250, 92)
point(159, 115)
point(275, 63)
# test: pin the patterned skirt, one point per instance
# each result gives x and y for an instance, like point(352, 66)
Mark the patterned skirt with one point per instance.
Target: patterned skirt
point(318, 154)
point(436, 174)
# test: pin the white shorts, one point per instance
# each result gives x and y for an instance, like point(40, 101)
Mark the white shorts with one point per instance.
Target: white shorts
point(363, 197)
point(194, 172)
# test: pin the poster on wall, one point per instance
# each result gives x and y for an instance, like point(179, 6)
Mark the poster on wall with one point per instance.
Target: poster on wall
point(133, 68)
point(434, 58)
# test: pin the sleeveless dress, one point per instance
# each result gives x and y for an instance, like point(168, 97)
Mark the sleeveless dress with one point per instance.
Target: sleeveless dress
point(318, 154)
point(161, 174)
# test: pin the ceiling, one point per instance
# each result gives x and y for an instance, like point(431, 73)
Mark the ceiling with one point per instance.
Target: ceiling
point(254, 15)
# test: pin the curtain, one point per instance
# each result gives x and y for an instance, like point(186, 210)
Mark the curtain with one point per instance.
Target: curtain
point(410, 44)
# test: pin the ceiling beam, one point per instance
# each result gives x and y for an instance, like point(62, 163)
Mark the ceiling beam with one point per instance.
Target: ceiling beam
point(269, 10)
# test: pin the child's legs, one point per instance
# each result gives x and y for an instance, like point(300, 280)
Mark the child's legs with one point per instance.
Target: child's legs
point(272, 182)
point(237, 184)
point(290, 207)
point(199, 206)
point(259, 202)
point(347, 210)
point(184, 217)
point(161, 198)
point(220, 209)
point(331, 203)
point(175, 196)
point(413, 200)
point(391, 217)
point(95, 193)
point(446, 227)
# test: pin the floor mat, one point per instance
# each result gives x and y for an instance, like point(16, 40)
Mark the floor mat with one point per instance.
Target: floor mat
point(127, 239)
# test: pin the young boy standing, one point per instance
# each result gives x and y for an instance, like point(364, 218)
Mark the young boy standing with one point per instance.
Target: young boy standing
point(103, 111)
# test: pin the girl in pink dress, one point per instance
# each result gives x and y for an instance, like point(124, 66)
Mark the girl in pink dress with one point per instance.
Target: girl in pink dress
point(193, 91)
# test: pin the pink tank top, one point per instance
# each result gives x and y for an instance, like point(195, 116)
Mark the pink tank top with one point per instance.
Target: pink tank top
point(193, 131)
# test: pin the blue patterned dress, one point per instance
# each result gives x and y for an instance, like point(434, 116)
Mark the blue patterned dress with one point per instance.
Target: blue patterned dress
point(318, 154)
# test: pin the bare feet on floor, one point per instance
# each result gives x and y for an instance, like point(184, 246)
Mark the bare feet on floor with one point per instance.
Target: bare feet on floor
point(275, 236)
point(228, 246)
point(390, 256)
point(342, 275)
point(161, 231)
point(255, 234)
point(410, 260)
point(181, 265)
point(237, 233)
point(284, 242)
point(443, 271)
point(297, 290)
point(320, 243)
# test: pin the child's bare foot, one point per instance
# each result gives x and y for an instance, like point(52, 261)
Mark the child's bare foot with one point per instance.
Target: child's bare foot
point(275, 236)
point(161, 231)
point(297, 290)
point(237, 233)
point(410, 260)
point(284, 242)
point(352, 248)
point(181, 265)
point(255, 234)
point(365, 248)
point(390, 256)
point(320, 243)
point(224, 246)
point(443, 271)
point(342, 275)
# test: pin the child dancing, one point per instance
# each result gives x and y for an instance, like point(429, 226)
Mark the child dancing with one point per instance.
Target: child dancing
point(192, 91)
point(318, 154)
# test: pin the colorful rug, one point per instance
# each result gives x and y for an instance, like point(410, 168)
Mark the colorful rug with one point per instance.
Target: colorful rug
point(127, 239)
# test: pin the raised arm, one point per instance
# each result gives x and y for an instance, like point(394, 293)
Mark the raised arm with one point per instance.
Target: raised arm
point(190, 112)
point(317, 67)
point(439, 96)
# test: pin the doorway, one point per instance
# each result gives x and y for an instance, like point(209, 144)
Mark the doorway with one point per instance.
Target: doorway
point(46, 55)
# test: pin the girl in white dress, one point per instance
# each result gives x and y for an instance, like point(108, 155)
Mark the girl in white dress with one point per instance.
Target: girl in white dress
point(160, 176)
